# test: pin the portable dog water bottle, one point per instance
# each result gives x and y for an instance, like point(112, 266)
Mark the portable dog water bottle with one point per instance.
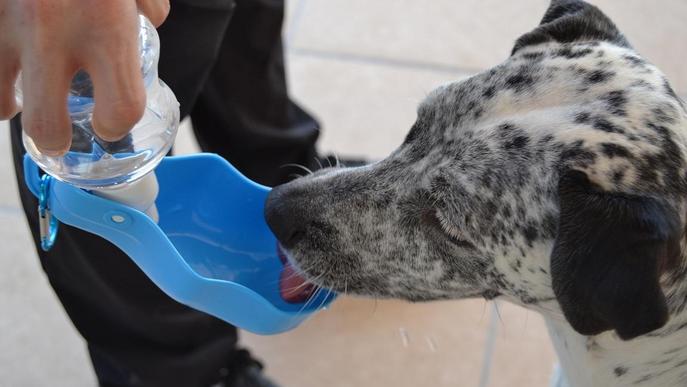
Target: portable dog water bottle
point(120, 170)
point(201, 237)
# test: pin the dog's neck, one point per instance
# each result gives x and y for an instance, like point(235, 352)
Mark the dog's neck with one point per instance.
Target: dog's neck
point(656, 359)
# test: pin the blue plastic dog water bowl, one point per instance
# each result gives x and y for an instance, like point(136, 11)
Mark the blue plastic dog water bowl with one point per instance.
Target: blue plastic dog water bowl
point(211, 249)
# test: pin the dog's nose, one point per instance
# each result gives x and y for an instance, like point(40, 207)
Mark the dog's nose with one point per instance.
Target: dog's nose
point(284, 217)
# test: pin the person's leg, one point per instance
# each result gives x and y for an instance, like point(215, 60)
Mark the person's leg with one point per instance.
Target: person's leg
point(244, 112)
point(136, 335)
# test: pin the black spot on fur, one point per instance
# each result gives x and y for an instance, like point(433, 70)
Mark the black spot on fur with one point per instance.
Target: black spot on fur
point(506, 127)
point(489, 92)
point(506, 211)
point(606, 126)
point(516, 143)
point(642, 84)
point(530, 233)
point(533, 56)
point(546, 139)
point(582, 117)
point(614, 150)
point(439, 184)
point(577, 153)
point(384, 199)
point(569, 53)
point(619, 371)
point(661, 116)
point(616, 101)
point(634, 61)
point(520, 81)
point(599, 76)
point(477, 113)
point(618, 176)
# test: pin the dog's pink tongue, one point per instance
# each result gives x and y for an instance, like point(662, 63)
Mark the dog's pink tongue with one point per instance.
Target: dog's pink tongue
point(292, 286)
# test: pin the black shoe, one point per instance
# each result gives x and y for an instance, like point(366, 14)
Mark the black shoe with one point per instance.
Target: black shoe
point(244, 371)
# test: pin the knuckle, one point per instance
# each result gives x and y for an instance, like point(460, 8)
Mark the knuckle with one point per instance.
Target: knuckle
point(40, 12)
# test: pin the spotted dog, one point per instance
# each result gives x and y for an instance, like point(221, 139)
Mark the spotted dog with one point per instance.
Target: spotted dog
point(555, 180)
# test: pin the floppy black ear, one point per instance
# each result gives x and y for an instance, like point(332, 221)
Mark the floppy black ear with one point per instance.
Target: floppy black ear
point(571, 21)
point(608, 256)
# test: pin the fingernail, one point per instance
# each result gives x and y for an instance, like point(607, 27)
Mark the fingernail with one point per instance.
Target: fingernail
point(109, 134)
point(52, 152)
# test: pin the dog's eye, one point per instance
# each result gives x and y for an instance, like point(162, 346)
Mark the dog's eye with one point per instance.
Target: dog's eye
point(438, 221)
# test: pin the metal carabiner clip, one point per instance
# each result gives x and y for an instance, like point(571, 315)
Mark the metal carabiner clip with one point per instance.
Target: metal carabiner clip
point(48, 224)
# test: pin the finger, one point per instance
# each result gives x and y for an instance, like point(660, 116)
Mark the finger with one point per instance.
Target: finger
point(45, 118)
point(118, 88)
point(155, 10)
point(9, 69)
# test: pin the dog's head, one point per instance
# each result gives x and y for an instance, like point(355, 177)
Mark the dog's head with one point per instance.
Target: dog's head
point(555, 179)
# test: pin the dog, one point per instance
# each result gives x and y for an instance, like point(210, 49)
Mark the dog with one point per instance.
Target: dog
point(556, 180)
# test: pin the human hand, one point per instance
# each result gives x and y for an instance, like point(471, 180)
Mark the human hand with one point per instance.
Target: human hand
point(50, 40)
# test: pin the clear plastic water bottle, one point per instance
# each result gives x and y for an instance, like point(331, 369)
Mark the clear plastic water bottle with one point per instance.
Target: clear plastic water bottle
point(121, 170)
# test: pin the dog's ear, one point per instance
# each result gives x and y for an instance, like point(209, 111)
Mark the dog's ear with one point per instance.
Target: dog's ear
point(608, 256)
point(572, 21)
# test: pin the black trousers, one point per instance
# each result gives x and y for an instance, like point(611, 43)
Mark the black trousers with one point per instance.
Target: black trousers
point(224, 61)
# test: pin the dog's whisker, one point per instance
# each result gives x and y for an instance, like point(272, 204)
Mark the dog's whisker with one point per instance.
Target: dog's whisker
point(299, 274)
point(299, 287)
point(311, 299)
point(307, 302)
point(315, 294)
point(317, 160)
point(324, 299)
point(294, 165)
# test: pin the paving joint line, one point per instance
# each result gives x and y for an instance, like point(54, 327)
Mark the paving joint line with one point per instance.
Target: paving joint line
point(378, 61)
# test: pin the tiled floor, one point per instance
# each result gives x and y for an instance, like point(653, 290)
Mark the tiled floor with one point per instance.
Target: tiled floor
point(361, 67)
